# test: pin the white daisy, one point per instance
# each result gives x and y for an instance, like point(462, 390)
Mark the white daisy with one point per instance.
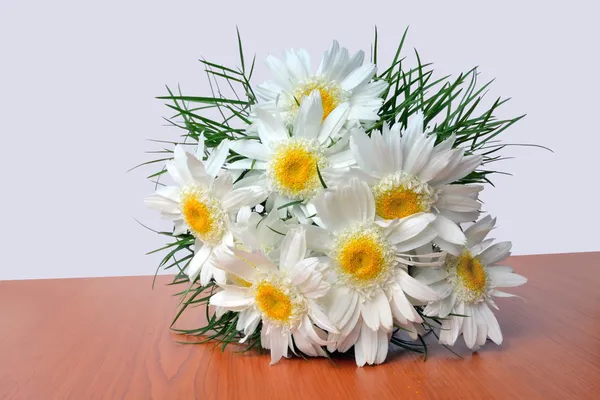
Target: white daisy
point(289, 164)
point(342, 81)
point(409, 175)
point(368, 263)
point(467, 282)
point(202, 204)
point(282, 298)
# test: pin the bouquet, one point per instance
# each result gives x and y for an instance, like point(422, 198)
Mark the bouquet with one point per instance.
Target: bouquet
point(334, 209)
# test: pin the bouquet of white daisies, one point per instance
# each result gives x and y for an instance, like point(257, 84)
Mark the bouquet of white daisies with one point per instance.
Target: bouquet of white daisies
point(334, 209)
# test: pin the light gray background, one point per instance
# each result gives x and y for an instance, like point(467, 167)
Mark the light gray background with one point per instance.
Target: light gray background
point(78, 81)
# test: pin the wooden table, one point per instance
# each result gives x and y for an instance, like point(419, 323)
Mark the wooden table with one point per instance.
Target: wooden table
point(109, 338)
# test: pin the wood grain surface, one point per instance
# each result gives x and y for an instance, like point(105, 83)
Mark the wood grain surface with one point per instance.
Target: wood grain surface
point(109, 338)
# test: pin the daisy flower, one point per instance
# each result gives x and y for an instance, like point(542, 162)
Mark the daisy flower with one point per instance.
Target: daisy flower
point(202, 204)
point(467, 282)
point(283, 298)
point(288, 164)
point(409, 175)
point(368, 263)
point(342, 81)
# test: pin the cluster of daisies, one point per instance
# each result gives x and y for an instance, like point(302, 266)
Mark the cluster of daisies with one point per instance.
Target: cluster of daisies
point(325, 237)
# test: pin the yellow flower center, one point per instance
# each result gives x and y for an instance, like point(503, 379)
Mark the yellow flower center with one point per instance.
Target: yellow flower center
point(471, 273)
point(273, 302)
point(203, 215)
point(400, 195)
point(331, 94)
point(197, 215)
point(293, 169)
point(364, 258)
point(469, 277)
point(398, 203)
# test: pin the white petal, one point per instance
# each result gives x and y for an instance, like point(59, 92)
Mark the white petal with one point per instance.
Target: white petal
point(333, 123)
point(482, 328)
point(341, 302)
point(302, 271)
point(278, 343)
point(449, 231)
point(295, 65)
point(452, 327)
point(305, 345)
point(506, 279)
point(222, 185)
point(393, 141)
point(200, 147)
point(251, 149)
point(359, 76)
point(409, 227)
point(247, 163)
point(404, 310)
point(382, 346)
point(180, 228)
point(158, 202)
point(279, 70)
point(356, 202)
point(376, 311)
point(435, 164)
point(269, 127)
point(232, 299)
point(492, 324)
point(293, 248)
point(447, 305)
point(501, 268)
point(418, 155)
point(339, 208)
point(495, 253)
point(423, 238)
point(362, 150)
point(201, 256)
point(467, 165)
point(457, 203)
point(427, 276)
point(348, 340)
point(309, 116)
point(451, 248)
point(342, 159)
point(228, 262)
point(320, 319)
point(245, 196)
point(318, 239)
point(414, 288)
point(470, 327)
point(479, 230)
point(217, 158)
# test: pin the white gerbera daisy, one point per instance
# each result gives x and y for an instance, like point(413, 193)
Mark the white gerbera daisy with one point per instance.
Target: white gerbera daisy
point(466, 283)
point(368, 263)
point(202, 204)
point(409, 175)
point(342, 81)
point(289, 165)
point(282, 298)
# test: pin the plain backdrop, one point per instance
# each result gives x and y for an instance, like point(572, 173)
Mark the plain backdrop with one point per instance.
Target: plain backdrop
point(77, 103)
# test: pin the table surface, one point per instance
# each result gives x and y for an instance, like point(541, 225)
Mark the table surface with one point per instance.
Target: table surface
point(109, 338)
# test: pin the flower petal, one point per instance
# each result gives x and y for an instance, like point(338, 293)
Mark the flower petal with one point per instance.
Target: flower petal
point(245, 196)
point(251, 149)
point(293, 248)
point(414, 288)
